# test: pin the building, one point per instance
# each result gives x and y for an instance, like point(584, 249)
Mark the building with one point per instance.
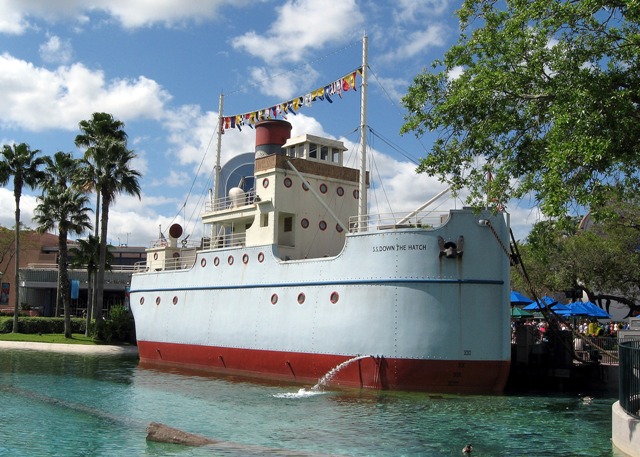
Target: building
point(39, 274)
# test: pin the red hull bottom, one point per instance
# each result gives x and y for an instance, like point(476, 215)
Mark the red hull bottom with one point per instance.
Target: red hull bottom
point(465, 377)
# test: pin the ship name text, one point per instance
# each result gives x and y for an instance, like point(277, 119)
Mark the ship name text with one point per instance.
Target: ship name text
point(400, 247)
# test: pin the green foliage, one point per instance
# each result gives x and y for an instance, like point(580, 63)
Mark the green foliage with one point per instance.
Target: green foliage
point(41, 325)
point(602, 259)
point(541, 94)
point(119, 327)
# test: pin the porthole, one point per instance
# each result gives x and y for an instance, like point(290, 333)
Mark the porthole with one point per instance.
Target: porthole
point(356, 193)
point(301, 298)
point(334, 297)
point(265, 182)
point(157, 300)
point(340, 191)
point(216, 261)
point(338, 228)
point(322, 225)
point(245, 258)
point(230, 260)
point(305, 187)
point(274, 299)
point(304, 223)
point(142, 300)
point(288, 182)
point(260, 257)
point(155, 256)
point(203, 263)
point(323, 188)
point(175, 300)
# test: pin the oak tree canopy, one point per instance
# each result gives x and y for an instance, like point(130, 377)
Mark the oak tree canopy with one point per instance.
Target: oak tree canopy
point(541, 95)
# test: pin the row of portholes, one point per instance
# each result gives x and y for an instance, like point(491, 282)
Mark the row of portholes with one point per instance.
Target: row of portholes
point(323, 187)
point(231, 260)
point(333, 298)
point(322, 225)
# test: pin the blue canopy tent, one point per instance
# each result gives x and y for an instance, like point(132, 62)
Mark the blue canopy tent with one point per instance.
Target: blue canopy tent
point(542, 303)
point(518, 299)
point(595, 311)
point(586, 309)
point(561, 309)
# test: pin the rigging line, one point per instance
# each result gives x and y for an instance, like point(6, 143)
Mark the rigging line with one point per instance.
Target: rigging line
point(393, 103)
point(374, 164)
point(294, 69)
point(396, 148)
point(193, 182)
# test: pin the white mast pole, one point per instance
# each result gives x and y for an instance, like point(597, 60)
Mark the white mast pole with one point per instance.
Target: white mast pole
point(362, 185)
point(216, 172)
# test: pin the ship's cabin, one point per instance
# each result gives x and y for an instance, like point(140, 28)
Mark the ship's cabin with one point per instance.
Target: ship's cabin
point(302, 199)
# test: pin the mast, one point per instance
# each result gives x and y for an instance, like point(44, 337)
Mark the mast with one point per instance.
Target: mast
point(216, 172)
point(362, 184)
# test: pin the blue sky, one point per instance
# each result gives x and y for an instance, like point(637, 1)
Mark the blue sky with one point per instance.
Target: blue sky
point(160, 67)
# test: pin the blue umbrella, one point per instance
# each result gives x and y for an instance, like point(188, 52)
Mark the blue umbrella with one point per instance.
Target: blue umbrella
point(518, 299)
point(595, 311)
point(561, 309)
point(578, 309)
point(542, 303)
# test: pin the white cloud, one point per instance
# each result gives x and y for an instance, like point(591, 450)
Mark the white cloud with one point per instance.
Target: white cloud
point(37, 99)
point(417, 42)
point(8, 207)
point(411, 11)
point(15, 14)
point(302, 26)
point(56, 50)
point(282, 84)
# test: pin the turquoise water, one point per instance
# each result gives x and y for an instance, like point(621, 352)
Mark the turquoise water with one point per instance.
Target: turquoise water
point(75, 405)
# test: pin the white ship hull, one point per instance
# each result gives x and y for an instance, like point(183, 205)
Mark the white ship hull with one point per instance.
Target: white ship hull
point(429, 321)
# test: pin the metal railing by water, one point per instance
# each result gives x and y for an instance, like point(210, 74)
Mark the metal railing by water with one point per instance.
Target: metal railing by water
point(629, 392)
point(602, 349)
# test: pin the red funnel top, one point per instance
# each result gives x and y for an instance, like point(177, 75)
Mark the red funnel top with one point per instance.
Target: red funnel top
point(272, 134)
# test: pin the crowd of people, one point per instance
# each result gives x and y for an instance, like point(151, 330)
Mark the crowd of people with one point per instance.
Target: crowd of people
point(591, 328)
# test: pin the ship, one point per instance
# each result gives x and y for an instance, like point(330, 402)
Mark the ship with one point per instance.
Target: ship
point(293, 278)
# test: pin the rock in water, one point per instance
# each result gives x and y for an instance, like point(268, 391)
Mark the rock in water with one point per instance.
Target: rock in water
point(164, 434)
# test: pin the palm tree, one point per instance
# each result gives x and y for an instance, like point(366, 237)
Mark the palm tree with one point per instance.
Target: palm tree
point(60, 170)
point(66, 207)
point(20, 162)
point(96, 131)
point(108, 171)
point(87, 255)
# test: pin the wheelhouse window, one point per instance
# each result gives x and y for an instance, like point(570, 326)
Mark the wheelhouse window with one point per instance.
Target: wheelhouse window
point(324, 153)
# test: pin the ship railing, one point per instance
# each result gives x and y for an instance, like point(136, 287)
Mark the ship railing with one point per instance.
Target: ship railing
point(224, 240)
point(183, 262)
point(388, 221)
point(225, 203)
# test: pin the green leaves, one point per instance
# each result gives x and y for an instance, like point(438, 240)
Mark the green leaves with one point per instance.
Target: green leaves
point(547, 99)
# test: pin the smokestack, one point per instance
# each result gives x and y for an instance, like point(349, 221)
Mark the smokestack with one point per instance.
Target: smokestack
point(270, 136)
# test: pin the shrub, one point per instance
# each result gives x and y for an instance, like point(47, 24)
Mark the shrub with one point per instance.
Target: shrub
point(119, 327)
point(41, 325)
